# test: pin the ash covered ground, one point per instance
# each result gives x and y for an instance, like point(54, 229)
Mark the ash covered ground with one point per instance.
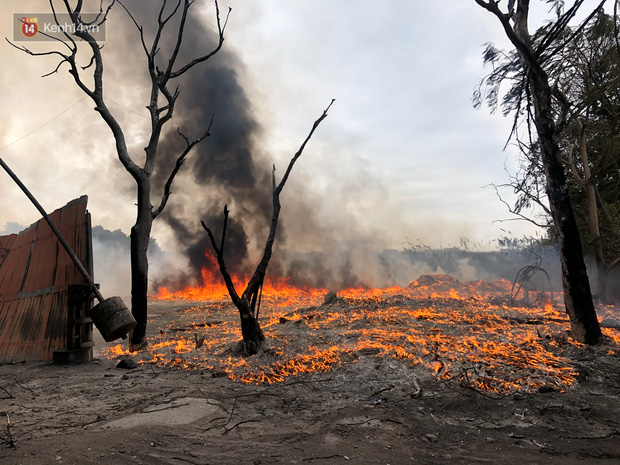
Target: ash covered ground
point(441, 372)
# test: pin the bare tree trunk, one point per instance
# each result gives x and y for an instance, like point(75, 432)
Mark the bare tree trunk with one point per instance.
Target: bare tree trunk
point(577, 294)
point(161, 109)
point(595, 238)
point(587, 181)
point(249, 302)
point(251, 331)
point(593, 219)
point(140, 234)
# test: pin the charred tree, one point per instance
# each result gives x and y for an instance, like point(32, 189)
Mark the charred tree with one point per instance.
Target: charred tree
point(248, 303)
point(577, 294)
point(161, 105)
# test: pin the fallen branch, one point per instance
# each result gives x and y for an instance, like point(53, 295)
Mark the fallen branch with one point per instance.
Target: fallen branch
point(9, 437)
point(8, 393)
point(171, 406)
point(232, 411)
point(209, 401)
point(309, 459)
point(228, 430)
point(24, 387)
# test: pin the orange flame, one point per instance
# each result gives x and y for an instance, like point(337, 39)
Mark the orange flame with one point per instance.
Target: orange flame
point(279, 291)
point(469, 332)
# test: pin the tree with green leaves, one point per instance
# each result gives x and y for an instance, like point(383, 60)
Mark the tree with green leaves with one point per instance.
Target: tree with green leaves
point(584, 71)
point(586, 77)
point(532, 98)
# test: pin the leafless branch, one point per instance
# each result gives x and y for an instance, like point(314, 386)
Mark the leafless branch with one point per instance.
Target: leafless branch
point(513, 211)
point(256, 282)
point(249, 302)
point(189, 145)
point(221, 29)
point(138, 27)
point(75, 17)
point(219, 253)
point(228, 430)
point(9, 436)
point(10, 395)
point(301, 149)
point(570, 162)
point(23, 48)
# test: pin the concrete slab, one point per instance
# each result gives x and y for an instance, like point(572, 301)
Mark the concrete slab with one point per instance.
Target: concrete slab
point(176, 412)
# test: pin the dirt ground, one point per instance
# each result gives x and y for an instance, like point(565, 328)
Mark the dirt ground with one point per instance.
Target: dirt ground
point(375, 410)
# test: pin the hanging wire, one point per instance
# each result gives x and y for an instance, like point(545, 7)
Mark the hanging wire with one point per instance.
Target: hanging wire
point(43, 125)
point(62, 113)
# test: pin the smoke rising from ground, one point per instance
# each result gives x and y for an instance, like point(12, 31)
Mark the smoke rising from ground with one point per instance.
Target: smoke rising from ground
point(334, 250)
point(386, 268)
point(229, 167)
point(316, 245)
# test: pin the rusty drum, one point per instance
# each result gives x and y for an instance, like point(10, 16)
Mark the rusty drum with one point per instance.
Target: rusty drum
point(112, 318)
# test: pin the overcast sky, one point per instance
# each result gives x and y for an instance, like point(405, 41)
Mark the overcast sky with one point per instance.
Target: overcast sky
point(402, 153)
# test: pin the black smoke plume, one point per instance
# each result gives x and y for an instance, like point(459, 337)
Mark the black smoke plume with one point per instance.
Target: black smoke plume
point(230, 167)
point(226, 168)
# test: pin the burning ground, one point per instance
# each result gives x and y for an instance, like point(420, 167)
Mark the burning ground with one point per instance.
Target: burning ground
point(470, 333)
point(439, 371)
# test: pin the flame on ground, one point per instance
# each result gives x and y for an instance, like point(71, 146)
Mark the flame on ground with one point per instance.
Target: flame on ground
point(278, 291)
point(453, 331)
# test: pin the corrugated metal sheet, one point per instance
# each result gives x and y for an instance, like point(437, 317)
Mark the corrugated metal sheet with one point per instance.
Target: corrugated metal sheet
point(35, 273)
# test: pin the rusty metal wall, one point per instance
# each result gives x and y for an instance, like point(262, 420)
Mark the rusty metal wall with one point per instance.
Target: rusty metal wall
point(35, 272)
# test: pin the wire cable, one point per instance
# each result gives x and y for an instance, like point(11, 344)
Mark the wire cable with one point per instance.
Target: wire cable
point(43, 125)
point(62, 113)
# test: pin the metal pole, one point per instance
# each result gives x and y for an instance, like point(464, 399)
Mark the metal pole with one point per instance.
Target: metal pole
point(56, 231)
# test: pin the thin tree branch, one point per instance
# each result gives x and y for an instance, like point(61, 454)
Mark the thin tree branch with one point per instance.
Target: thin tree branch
point(301, 149)
point(513, 211)
point(221, 29)
point(250, 296)
point(219, 253)
point(256, 282)
point(141, 32)
point(179, 163)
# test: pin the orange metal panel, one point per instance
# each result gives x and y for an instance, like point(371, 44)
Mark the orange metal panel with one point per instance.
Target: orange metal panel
point(55, 336)
point(15, 264)
point(35, 272)
point(8, 311)
point(40, 273)
point(72, 220)
point(5, 246)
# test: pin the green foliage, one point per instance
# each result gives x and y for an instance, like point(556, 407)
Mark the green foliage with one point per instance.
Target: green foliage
point(583, 65)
